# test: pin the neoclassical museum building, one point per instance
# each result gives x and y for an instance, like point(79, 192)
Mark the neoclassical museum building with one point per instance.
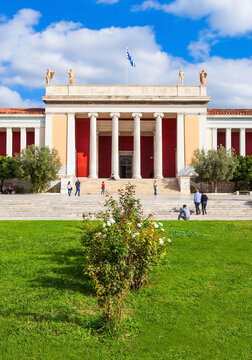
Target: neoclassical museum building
point(132, 131)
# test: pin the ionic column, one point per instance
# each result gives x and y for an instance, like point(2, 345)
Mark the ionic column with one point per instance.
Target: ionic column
point(36, 136)
point(214, 138)
point(243, 142)
point(23, 138)
point(9, 141)
point(228, 139)
point(93, 149)
point(137, 146)
point(158, 151)
point(71, 144)
point(180, 143)
point(48, 130)
point(115, 145)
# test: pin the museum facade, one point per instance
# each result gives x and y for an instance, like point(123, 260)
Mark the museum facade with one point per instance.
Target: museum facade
point(133, 131)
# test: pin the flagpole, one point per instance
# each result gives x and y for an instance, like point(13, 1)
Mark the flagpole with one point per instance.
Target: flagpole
point(126, 67)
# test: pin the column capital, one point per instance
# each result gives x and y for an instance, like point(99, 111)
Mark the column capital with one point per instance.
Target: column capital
point(93, 114)
point(70, 113)
point(137, 114)
point(115, 114)
point(158, 114)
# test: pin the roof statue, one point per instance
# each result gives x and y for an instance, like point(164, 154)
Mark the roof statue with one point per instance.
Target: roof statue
point(203, 75)
point(71, 77)
point(181, 77)
point(49, 75)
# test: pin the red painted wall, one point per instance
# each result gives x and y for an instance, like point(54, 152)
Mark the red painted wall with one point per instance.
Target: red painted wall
point(221, 138)
point(169, 130)
point(15, 142)
point(126, 143)
point(248, 143)
point(29, 138)
point(147, 162)
point(235, 142)
point(105, 146)
point(82, 140)
point(3, 143)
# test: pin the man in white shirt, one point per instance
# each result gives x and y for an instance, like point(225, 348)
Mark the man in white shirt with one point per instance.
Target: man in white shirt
point(184, 213)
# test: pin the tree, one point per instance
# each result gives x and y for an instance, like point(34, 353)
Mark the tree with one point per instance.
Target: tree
point(243, 171)
point(39, 166)
point(214, 166)
point(8, 168)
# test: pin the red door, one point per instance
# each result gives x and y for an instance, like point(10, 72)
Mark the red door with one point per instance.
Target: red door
point(82, 164)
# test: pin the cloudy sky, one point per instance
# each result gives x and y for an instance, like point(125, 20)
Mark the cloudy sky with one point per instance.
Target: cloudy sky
point(90, 36)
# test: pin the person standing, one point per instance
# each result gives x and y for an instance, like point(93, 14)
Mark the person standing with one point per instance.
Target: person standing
point(184, 213)
point(69, 188)
point(77, 185)
point(204, 199)
point(155, 186)
point(103, 188)
point(197, 201)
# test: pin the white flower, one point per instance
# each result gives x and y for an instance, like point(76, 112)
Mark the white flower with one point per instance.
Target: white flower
point(169, 240)
point(139, 224)
point(155, 225)
point(108, 223)
point(162, 229)
point(112, 221)
point(161, 241)
point(104, 224)
point(160, 224)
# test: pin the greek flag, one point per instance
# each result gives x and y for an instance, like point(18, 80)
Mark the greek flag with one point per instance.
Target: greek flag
point(129, 57)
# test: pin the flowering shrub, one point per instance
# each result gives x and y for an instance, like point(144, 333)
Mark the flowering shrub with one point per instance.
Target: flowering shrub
point(120, 250)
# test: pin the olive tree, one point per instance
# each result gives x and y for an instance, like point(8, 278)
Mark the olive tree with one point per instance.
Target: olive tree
point(39, 166)
point(214, 166)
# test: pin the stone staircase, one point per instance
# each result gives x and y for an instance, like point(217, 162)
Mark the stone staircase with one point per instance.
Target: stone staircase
point(62, 207)
point(143, 186)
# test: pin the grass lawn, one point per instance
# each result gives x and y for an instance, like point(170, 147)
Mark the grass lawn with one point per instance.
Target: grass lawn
point(198, 304)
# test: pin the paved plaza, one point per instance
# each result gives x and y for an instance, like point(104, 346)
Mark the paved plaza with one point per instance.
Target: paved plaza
point(164, 207)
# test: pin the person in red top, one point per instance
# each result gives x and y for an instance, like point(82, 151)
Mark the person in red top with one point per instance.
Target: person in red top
point(103, 188)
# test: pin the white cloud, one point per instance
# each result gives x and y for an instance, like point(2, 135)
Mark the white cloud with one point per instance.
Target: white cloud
point(109, 2)
point(201, 49)
point(227, 17)
point(10, 98)
point(98, 56)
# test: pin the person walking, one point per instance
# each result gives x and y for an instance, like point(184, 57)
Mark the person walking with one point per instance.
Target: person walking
point(103, 188)
point(184, 213)
point(204, 199)
point(69, 188)
point(197, 201)
point(77, 186)
point(155, 186)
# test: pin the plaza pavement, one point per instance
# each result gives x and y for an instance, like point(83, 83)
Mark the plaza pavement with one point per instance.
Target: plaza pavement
point(164, 207)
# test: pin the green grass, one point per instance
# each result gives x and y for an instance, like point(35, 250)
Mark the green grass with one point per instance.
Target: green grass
point(198, 304)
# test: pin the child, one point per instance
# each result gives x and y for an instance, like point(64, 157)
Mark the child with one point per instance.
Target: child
point(102, 188)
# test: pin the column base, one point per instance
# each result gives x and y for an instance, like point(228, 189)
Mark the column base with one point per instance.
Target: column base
point(93, 177)
point(137, 177)
point(158, 177)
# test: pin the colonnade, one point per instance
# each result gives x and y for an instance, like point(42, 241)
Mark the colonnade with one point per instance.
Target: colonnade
point(228, 138)
point(93, 169)
point(23, 136)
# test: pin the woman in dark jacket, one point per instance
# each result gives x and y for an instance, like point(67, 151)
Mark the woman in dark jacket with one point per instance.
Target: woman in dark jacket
point(204, 199)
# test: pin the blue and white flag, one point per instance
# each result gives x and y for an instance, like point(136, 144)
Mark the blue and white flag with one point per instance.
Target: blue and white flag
point(129, 57)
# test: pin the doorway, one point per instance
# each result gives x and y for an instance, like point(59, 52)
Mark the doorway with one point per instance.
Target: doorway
point(125, 167)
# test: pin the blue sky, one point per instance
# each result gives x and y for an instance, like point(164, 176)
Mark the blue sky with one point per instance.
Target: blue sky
point(163, 36)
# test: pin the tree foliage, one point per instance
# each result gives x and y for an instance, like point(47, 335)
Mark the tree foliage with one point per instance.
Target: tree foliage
point(120, 250)
point(244, 169)
point(214, 166)
point(39, 166)
point(8, 168)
